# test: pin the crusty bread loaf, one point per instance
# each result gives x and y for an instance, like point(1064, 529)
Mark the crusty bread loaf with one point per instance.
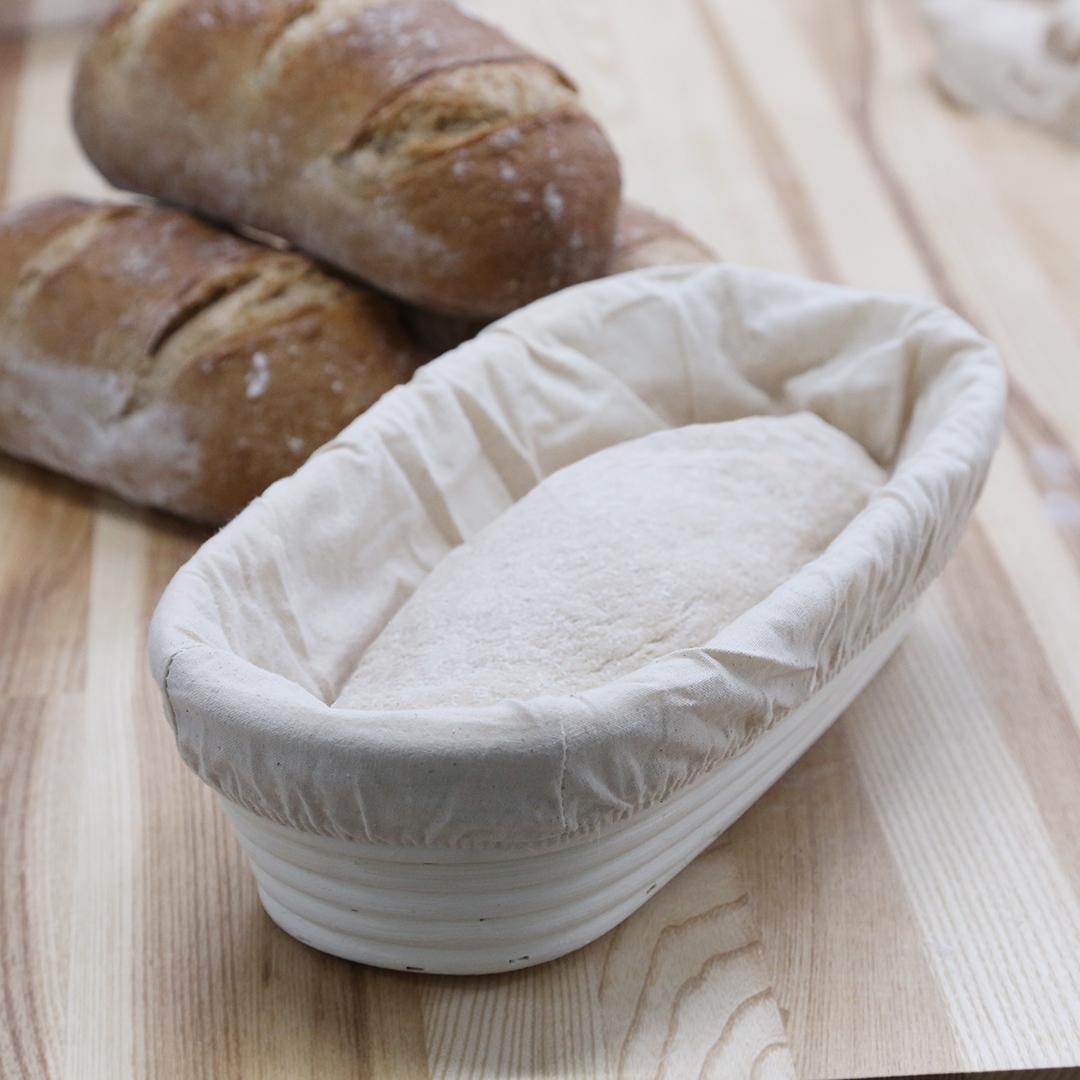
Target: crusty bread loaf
point(647, 547)
point(174, 363)
point(642, 238)
point(645, 238)
point(405, 141)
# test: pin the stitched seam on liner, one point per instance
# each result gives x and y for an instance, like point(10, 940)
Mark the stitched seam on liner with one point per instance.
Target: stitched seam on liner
point(600, 822)
point(604, 821)
point(562, 775)
point(170, 712)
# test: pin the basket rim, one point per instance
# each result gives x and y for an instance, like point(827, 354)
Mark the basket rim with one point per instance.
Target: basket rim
point(226, 711)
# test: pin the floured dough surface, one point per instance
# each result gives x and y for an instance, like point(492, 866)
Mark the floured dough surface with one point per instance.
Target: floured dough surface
point(1017, 57)
point(646, 547)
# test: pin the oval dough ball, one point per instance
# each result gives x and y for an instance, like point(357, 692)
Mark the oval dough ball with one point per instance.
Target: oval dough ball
point(647, 547)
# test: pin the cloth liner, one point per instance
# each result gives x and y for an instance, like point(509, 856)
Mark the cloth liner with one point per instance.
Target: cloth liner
point(267, 621)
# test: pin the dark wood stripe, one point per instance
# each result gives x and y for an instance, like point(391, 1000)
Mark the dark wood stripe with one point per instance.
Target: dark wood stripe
point(773, 157)
point(12, 52)
point(861, 109)
point(23, 1044)
point(1067, 1072)
point(43, 596)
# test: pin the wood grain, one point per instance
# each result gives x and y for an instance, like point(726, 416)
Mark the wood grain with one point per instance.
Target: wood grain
point(906, 900)
point(12, 48)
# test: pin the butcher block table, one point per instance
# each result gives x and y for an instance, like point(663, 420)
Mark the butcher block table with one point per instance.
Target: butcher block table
point(904, 901)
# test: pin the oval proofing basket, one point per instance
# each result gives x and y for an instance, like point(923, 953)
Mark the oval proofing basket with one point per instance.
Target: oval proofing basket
point(477, 840)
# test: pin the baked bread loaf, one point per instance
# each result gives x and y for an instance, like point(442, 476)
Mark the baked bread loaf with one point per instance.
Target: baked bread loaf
point(647, 547)
point(642, 238)
point(174, 363)
point(404, 141)
point(645, 238)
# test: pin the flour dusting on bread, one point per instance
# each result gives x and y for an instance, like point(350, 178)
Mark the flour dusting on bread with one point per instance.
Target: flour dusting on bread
point(175, 363)
point(74, 420)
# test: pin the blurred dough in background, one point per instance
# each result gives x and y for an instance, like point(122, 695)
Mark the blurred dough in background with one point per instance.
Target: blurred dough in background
point(24, 15)
point(1016, 57)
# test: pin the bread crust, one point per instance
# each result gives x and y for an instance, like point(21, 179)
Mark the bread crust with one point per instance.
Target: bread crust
point(645, 238)
point(173, 363)
point(404, 141)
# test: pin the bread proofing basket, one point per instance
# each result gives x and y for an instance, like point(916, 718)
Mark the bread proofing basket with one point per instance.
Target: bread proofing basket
point(484, 839)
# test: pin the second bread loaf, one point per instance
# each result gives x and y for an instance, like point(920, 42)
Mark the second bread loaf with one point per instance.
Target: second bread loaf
point(405, 141)
point(645, 238)
point(176, 364)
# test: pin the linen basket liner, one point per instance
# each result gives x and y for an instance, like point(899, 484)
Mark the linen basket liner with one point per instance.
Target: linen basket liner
point(267, 621)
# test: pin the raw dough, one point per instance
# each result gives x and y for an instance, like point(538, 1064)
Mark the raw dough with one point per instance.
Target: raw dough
point(647, 547)
point(1017, 57)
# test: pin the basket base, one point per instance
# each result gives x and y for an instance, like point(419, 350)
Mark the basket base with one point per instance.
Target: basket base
point(468, 912)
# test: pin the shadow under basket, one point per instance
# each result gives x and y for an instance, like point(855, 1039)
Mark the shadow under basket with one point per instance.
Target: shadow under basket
point(481, 840)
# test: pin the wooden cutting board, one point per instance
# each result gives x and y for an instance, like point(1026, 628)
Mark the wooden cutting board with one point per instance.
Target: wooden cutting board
point(904, 901)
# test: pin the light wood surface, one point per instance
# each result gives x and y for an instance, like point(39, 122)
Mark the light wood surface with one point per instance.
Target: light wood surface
point(905, 900)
